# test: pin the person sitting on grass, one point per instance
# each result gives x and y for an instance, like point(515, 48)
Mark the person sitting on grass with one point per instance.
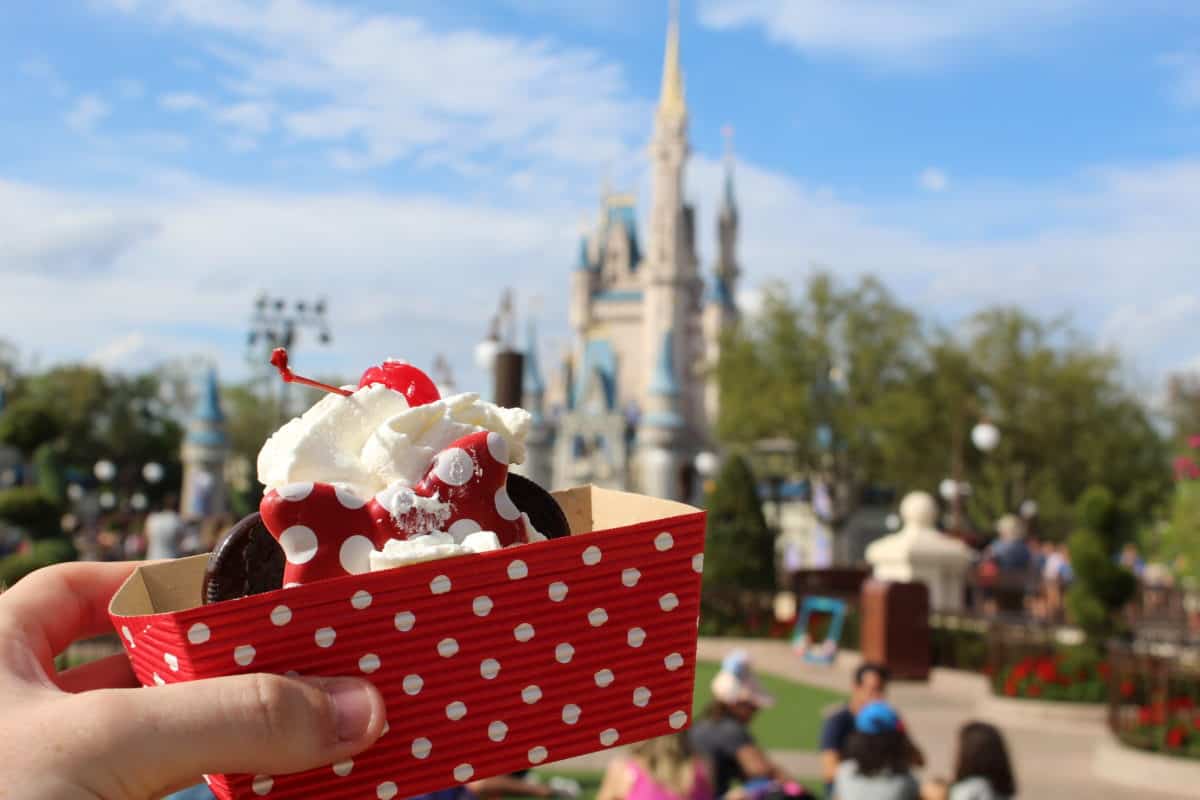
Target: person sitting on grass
point(878, 758)
point(870, 684)
point(982, 768)
point(722, 732)
point(665, 768)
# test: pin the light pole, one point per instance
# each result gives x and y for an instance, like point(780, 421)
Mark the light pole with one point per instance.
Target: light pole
point(275, 322)
point(706, 463)
point(985, 436)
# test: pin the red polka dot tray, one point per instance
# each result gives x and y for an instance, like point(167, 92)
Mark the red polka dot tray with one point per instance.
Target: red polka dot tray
point(489, 663)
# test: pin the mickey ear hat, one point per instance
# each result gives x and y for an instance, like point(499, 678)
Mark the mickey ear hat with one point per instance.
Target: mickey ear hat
point(736, 683)
point(877, 717)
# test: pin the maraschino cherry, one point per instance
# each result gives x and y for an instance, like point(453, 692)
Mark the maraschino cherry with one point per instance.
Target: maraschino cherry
point(402, 377)
point(399, 376)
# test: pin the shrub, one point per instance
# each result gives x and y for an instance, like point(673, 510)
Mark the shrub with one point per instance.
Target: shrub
point(28, 508)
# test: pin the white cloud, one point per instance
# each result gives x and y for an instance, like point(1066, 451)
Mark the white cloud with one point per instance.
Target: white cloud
point(182, 101)
point(893, 31)
point(251, 118)
point(933, 179)
point(40, 69)
point(130, 89)
point(87, 112)
point(378, 87)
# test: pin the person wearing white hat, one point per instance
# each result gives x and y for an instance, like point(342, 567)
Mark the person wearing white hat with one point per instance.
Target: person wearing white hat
point(722, 733)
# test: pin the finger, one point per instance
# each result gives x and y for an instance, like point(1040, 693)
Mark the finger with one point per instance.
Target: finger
point(56, 605)
point(258, 724)
point(111, 672)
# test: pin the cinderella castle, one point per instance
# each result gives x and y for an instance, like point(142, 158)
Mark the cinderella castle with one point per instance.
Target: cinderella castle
point(636, 399)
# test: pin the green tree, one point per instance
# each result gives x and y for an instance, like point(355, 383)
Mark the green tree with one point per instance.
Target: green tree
point(739, 547)
point(1101, 587)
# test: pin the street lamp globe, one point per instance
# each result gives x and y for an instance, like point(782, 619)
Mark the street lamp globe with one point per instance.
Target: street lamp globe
point(108, 500)
point(104, 470)
point(948, 489)
point(706, 463)
point(985, 436)
point(152, 472)
point(74, 492)
point(1029, 509)
point(138, 501)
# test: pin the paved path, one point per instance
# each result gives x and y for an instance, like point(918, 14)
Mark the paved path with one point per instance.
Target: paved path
point(1052, 762)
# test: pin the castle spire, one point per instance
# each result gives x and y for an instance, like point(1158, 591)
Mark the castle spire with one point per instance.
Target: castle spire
point(671, 102)
point(728, 199)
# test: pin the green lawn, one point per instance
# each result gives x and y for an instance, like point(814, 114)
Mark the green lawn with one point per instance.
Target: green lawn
point(795, 721)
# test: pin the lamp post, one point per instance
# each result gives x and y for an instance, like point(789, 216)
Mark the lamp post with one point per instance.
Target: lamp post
point(777, 457)
point(276, 322)
point(706, 463)
point(986, 437)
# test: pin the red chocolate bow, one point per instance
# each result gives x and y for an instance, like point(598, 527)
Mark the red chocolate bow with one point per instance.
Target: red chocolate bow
point(328, 531)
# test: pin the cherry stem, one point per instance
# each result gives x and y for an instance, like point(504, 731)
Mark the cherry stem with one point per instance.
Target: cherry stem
point(279, 360)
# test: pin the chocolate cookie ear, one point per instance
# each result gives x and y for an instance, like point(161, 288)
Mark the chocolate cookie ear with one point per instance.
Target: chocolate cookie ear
point(544, 511)
point(247, 560)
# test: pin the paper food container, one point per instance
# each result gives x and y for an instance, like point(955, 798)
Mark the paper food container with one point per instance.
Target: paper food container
point(489, 663)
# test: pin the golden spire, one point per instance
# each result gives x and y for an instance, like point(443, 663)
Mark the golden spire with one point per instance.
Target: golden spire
point(671, 102)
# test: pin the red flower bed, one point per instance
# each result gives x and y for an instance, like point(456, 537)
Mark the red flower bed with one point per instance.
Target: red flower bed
point(1071, 678)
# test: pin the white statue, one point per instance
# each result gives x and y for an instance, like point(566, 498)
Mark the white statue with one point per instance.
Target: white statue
point(919, 552)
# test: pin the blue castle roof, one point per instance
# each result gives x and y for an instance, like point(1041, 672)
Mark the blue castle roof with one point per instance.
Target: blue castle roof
point(664, 383)
point(532, 378)
point(207, 425)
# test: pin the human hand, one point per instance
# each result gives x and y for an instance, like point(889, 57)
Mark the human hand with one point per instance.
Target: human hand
point(88, 733)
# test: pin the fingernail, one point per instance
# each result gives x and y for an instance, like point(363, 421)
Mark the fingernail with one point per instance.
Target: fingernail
point(352, 708)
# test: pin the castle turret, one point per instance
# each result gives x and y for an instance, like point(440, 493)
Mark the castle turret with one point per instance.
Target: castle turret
point(672, 284)
point(661, 429)
point(539, 445)
point(205, 450)
point(720, 308)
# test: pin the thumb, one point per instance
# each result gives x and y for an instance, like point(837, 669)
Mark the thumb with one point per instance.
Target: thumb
point(258, 724)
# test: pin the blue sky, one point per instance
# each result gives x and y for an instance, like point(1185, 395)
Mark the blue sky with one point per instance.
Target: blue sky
point(161, 162)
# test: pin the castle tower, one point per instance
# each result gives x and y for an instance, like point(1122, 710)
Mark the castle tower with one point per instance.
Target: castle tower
point(672, 284)
point(205, 450)
point(720, 309)
point(660, 432)
point(539, 446)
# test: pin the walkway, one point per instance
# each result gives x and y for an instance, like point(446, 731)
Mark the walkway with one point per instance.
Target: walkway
point(1052, 764)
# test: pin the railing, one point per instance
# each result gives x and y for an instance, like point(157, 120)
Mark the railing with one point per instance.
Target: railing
point(1154, 697)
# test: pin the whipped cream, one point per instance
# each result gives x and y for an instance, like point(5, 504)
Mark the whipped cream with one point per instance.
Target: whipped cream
point(430, 547)
point(373, 441)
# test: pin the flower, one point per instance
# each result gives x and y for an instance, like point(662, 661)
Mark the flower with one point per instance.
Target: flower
point(1127, 688)
point(1034, 690)
point(1010, 689)
point(1176, 737)
point(1046, 671)
point(1183, 703)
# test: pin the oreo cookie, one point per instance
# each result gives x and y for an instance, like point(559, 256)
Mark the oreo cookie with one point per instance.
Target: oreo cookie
point(544, 511)
point(247, 560)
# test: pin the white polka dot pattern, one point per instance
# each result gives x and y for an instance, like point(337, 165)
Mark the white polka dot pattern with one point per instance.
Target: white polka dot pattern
point(172, 661)
point(505, 507)
point(198, 633)
point(295, 492)
point(299, 544)
point(347, 497)
point(454, 466)
point(262, 785)
point(497, 447)
point(601, 606)
point(355, 554)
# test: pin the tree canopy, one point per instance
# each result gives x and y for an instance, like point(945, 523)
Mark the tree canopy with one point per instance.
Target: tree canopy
point(872, 394)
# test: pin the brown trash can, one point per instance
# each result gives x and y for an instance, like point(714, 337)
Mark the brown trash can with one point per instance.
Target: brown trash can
point(895, 627)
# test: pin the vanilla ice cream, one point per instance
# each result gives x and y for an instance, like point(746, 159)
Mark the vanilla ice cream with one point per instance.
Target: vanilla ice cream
point(372, 440)
point(432, 546)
